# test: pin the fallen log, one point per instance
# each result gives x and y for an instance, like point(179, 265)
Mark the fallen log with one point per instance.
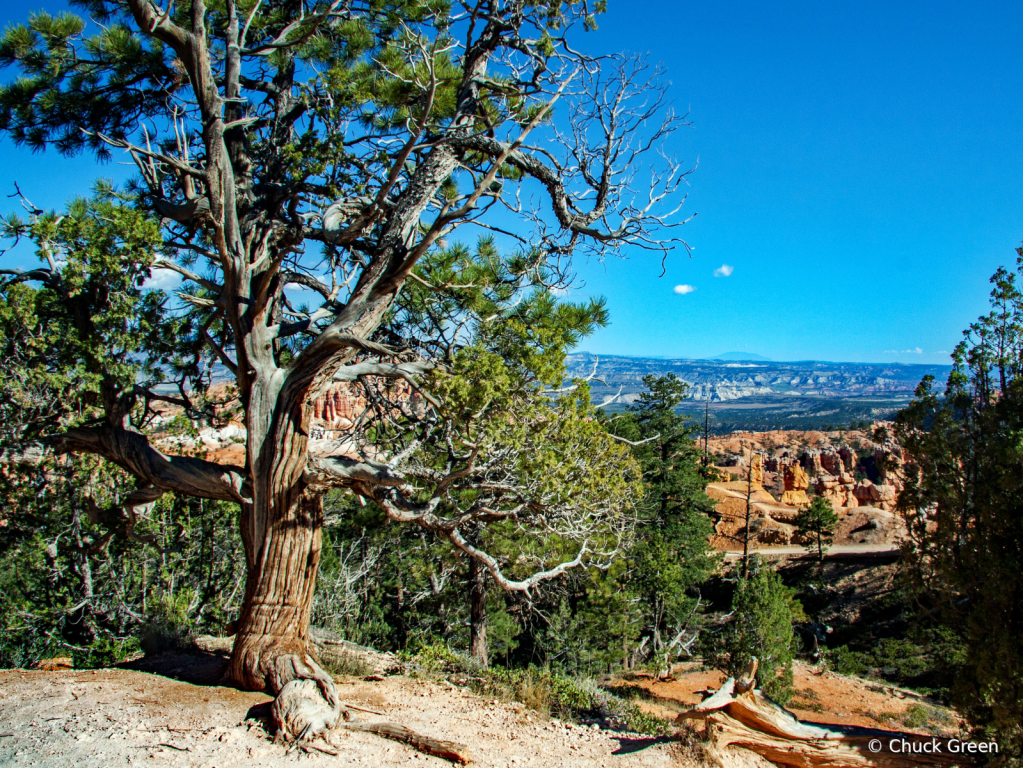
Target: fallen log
point(337, 653)
point(329, 649)
point(739, 715)
point(448, 750)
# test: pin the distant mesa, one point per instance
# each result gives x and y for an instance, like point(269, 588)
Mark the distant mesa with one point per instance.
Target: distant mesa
point(741, 356)
point(782, 394)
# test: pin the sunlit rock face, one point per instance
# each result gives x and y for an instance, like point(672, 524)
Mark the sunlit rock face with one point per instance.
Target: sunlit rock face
point(796, 483)
point(338, 409)
point(336, 412)
point(858, 471)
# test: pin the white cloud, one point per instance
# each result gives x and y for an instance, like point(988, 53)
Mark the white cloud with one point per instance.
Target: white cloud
point(560, 291)
point(682, 290)
point(163, 280)
point(914, 351)
point(724, 270)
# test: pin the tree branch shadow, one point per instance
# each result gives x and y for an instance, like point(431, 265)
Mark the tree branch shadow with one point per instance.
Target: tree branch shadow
point(628, 745)
point(187, 665)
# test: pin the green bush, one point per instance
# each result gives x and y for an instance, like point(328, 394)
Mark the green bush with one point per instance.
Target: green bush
point(896, 660)
point(539, 689)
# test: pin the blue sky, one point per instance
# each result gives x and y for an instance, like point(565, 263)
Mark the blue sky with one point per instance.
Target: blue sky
point(860, 169)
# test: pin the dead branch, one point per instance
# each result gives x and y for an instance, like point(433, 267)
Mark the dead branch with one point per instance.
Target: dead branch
point(448, 750)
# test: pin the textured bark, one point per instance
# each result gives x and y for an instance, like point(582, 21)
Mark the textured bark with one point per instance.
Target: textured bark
point(272, 649)
point(278, 595)
point(478, 648)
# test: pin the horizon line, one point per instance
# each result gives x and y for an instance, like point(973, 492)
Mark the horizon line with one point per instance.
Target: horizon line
point(754, 362)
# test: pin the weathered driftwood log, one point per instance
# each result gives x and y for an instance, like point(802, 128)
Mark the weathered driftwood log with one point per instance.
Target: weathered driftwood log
point(335, 652)
point(741, 716)
point(330, 650)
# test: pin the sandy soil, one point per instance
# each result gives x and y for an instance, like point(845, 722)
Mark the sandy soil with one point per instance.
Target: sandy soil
point(171, 711)
point(118, 717)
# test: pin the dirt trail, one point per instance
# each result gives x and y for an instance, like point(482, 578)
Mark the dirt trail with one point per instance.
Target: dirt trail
point(835, 551)
point(113, 717)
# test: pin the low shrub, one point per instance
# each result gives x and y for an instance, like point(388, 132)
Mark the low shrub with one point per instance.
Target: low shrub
point(896, 660)
point(540, 689)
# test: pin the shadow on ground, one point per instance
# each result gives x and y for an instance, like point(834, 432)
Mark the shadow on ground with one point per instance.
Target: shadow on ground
point(627, 746)
point(194, 666)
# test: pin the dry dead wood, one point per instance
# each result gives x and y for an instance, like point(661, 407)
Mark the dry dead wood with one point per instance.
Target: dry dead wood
point(448, 750)
point(739, 715)
point(328, 648)
point(336, 652)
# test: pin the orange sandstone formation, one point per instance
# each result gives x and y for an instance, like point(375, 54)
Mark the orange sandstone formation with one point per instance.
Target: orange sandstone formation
point(796, 483)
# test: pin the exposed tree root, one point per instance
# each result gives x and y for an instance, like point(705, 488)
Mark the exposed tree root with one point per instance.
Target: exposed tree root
point(302, 710)
point(739, 715)
point(308, 706)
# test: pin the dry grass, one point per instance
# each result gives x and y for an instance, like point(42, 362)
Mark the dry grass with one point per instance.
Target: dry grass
point(690, 747)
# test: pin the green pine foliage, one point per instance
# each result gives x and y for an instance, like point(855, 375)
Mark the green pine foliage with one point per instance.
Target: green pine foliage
point(77, 576)
point(672, 554)
point(586, 622)
point(964, 503)
point(816, 525)
point(761, 627)
point(70, 588)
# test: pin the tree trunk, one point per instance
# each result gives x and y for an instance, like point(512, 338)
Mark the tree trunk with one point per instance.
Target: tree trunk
point(478, 612)
point(279, 594)
point(282, 531)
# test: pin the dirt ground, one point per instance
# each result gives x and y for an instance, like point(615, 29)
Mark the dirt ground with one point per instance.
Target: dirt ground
point(116, 717)
point(172, 711)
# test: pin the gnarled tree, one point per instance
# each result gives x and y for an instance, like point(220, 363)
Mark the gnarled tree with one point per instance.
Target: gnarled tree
point(307, 163)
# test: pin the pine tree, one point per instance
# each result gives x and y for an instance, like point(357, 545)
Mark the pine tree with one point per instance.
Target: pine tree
point(816, 524)
point(294, 152)
point(672, 554)
point(963, 501)
point(761, 627)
